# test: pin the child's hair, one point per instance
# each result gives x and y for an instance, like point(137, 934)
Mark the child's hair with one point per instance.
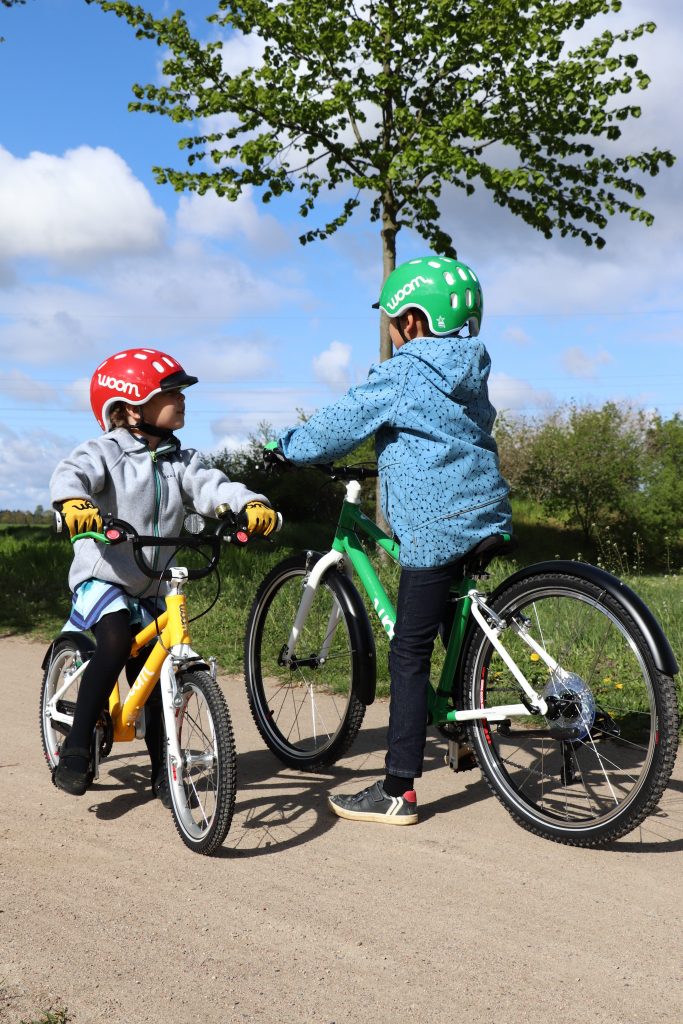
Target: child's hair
point(118, 417)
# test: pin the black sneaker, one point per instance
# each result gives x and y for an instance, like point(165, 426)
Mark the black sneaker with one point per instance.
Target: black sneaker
point(373, 804)
point(74, 779)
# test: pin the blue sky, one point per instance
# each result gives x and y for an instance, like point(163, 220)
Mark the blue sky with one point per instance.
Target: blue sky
point(95, 257)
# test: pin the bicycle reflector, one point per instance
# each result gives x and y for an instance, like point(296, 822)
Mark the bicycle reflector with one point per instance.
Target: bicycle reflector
point(241, 536)
point(114, 535)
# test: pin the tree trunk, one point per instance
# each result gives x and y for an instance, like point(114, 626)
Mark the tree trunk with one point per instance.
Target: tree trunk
point(389, 232)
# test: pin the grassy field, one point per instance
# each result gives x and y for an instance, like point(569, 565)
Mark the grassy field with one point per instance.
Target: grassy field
point(35, 598)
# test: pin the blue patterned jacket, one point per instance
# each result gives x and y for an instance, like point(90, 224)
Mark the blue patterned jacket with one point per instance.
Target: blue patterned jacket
point(442, 490)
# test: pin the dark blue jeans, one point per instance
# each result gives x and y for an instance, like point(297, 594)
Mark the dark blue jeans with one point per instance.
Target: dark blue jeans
point(421, 607)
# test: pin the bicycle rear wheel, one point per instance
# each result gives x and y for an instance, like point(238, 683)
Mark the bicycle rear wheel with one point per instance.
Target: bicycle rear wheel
point(204, 786)
point(593, 769)
point(306, 712)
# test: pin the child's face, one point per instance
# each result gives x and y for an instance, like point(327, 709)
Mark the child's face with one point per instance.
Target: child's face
point(165, 410)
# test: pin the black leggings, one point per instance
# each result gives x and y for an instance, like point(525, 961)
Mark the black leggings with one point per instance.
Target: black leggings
point(114, 636)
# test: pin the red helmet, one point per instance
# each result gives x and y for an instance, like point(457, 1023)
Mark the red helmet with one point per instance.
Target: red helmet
point(133, 377)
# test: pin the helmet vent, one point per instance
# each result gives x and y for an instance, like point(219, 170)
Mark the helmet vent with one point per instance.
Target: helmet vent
point(433, 263)
point(159, 367)
point(462, 273)
point(140, 355)
point(469, 298)
point(448, 277)
point(454, 300)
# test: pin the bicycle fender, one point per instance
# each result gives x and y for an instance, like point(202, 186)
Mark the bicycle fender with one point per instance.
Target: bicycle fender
point(362, 638)
point(654, 635)
point(80, 640)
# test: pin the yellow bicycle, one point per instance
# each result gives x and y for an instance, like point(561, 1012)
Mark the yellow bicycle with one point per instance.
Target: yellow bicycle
point(201, 757)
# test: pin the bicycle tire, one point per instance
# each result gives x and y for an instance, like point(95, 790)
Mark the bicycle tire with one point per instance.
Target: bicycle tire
point(596, 772)
point(308, 715)
point(203, 793)
point(65, 655)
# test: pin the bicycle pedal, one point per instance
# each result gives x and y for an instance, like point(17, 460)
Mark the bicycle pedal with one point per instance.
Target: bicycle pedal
point(460, 757)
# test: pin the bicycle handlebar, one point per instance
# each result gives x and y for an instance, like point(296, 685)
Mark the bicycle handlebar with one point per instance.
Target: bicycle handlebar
point(348, 472)
point(274, 458)
point(118, 531)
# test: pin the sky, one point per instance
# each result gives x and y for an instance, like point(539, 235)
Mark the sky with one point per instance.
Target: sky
point(95, 257)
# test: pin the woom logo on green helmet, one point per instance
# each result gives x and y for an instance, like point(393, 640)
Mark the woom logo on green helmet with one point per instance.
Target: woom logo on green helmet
point(407, 289)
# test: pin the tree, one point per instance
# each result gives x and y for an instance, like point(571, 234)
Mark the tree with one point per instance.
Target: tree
point(586, 466)
point(660, 499)
point(391, 100)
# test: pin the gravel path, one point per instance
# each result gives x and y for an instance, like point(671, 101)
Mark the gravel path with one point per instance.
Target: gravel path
point(305, 918)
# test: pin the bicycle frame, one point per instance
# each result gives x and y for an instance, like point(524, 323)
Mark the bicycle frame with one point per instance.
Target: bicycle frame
point(171, 651)
point(348, 555)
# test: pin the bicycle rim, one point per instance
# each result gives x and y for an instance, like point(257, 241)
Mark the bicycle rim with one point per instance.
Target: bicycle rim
point(306, 711)
point(594, 771)
point(203, 786)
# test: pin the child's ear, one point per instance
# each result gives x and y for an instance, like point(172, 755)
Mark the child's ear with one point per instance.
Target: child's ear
point(133, 415)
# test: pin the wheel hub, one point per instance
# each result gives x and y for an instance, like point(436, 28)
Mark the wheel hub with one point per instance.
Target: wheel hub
point(571, 705)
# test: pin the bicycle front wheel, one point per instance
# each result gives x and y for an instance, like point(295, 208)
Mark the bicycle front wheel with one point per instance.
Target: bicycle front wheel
point(203, 790)
point(305, 710)
point(61, 679)
point(596, 766)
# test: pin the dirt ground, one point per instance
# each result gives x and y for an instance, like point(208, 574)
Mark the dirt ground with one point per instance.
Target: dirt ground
point(306, 918)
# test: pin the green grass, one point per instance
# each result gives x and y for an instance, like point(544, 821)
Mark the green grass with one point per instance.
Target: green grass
point(58, 1016)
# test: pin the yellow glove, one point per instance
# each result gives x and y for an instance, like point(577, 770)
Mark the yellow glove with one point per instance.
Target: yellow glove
point(80, 516)
point(260, 518)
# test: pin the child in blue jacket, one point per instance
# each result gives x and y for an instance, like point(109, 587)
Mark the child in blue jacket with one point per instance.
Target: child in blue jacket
point(441, 486)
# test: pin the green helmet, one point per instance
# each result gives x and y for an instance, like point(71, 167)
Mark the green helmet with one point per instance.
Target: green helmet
point(447, 291)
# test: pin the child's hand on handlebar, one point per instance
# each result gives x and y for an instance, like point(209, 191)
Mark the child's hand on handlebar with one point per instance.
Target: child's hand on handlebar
point(81, 516)
point(273, 456)
point(259, 519)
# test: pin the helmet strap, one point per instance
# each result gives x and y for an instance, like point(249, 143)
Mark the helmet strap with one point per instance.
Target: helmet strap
point(148, 428)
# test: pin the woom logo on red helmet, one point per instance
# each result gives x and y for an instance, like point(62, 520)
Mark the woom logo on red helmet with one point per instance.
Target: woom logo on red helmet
point(124, 387)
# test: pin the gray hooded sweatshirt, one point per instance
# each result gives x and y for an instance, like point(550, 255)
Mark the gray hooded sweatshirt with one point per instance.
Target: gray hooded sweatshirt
point(151, 490)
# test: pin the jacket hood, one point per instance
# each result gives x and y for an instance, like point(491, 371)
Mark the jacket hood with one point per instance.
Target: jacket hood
point(455, 366)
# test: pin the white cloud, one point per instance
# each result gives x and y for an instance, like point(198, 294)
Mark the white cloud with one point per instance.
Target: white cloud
point(581, 364)
point(78, 394)
point(26, 465)
point(241, 51)
point(332, 366)
point(513, 394)
point(179, 293)
point(26, 390)
point(222, 359)
point(248, 408)
point(82, 206)
point(213, 216)
point(516, 335)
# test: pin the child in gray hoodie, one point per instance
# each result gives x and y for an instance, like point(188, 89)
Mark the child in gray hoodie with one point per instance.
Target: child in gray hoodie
point(136, 471)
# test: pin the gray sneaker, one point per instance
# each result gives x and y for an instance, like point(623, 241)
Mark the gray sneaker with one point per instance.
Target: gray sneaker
point(373, 804)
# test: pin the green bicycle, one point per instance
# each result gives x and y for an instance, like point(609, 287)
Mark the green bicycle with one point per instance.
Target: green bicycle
point(560, 680)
